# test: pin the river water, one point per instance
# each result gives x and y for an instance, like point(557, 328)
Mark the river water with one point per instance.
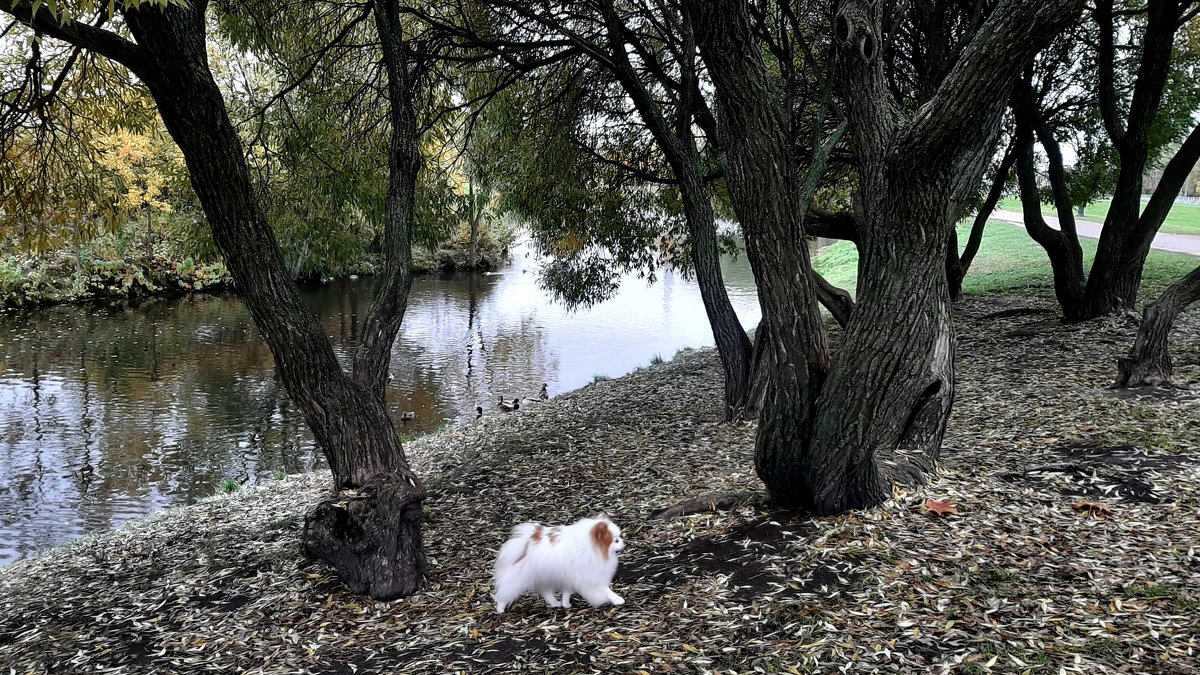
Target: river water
point(111, 412)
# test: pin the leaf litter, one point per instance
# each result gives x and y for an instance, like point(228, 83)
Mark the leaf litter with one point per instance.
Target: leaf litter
point(1026, 580)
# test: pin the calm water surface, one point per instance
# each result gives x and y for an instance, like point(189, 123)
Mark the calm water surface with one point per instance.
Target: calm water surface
point(108, 413)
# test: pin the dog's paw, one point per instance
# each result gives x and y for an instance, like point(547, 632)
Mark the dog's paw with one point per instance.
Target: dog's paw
point(617, 600)
point(565, 604)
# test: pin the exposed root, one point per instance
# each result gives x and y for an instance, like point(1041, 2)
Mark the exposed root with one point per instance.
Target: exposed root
point(713, 501)
point(1018, 311)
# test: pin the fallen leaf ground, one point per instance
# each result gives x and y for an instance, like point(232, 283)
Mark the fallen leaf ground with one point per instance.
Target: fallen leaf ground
point(1015, 581)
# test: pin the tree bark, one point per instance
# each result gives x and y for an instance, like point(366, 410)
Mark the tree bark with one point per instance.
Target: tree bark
point(763, 186)
point(833, 436)
point(883, 410)
point(1127, 237)
point(1061, 246)
point(1148, 363)
point(682, 154)
point(836, 300)
point(370, 529)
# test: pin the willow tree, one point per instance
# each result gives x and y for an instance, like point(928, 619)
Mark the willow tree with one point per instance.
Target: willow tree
point(369, 527)
point(597, 151)
point(606, 137)
point(1124, 90)
point(836, 430)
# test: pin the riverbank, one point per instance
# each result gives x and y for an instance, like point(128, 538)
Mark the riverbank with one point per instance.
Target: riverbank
point(1078, 512)
point(36, 281)
point(57, 277)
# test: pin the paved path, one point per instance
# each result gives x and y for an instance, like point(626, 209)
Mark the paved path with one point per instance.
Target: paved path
point(1180, 243)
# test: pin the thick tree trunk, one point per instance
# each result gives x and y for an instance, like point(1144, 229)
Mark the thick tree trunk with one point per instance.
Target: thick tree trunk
point(1149, 361)
point(372, 535)
point(763, 186)
point(1129, 232)
point(833, 438)
point(883, 410)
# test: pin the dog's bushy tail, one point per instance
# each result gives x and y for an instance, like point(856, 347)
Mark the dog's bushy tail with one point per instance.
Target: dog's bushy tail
point(516, 546)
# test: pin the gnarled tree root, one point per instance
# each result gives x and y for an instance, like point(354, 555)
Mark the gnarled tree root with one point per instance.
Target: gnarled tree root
point(713, 501)
point(371, 537)
point(1148, 363)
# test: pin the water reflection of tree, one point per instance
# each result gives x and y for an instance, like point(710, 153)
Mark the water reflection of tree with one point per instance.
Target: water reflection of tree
point(139, 407)
point(454, 351)
point(133, 409)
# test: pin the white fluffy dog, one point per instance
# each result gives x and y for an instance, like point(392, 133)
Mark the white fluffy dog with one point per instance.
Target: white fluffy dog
point(580, 558)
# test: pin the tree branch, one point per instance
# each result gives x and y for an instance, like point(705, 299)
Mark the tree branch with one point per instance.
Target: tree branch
point(1173, 177)
point(982, 79)
point(985, 210)
point(842, 225)
point(1103, 15)
point(836, 300)
point(103, 42)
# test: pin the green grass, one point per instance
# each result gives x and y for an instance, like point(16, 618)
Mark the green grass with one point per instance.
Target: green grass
point(229, 485)
point(1183, 218)
point(1175, 598)
point(1010, 262)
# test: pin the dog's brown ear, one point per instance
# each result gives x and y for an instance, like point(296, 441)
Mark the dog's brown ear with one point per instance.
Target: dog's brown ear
point(602, 538)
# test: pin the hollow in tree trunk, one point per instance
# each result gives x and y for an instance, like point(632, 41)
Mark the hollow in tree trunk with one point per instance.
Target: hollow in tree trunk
point(1148, 363)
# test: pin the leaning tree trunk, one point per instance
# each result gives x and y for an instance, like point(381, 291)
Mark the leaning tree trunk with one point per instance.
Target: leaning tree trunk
point(957, 265)
point(680, 150)
point(1062, 245)
point(733, 346)
point(832, 437)
point(1149, 361)
point(374, 536)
